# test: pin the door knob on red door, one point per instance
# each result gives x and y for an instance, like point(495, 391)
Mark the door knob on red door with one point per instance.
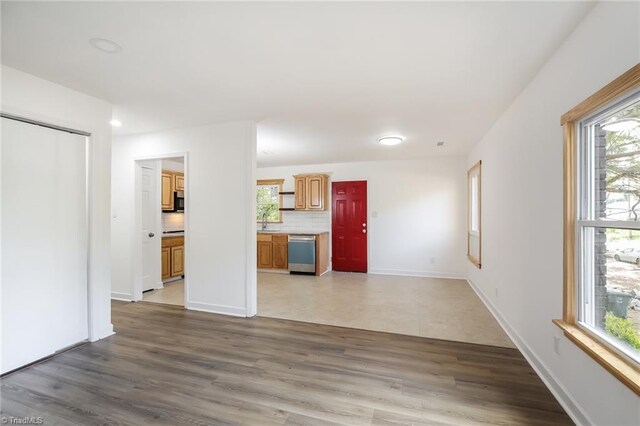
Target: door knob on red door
point(364, 224)
point(364, 231)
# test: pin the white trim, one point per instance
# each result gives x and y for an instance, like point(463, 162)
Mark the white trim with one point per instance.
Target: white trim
point(624, 224)
point(251, 274)
point(104, 333)
point(236, 311)
point(411, 273)
point(116, 295)
point(570, 405)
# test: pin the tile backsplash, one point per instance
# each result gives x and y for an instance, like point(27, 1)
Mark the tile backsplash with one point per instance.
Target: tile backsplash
point(302, 221)
point(172, 222)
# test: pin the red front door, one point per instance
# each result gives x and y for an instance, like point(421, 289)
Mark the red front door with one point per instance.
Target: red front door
point(349, 228)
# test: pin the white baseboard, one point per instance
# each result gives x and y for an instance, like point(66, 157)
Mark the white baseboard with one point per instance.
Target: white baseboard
point(126, 297)
point(106, 332)
point(410, 273)
point(565, 399)
point(235, 311)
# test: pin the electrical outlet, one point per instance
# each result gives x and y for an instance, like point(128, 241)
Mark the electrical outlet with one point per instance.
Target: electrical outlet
point(556, 345)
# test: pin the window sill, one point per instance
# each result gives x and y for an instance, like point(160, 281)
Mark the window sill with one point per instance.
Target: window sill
point(603, 355)
point(475, 261)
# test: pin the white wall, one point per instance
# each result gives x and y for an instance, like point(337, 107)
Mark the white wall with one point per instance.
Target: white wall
point(26, 95)
point(522, 212)
point(220, 228)
point(417, 219)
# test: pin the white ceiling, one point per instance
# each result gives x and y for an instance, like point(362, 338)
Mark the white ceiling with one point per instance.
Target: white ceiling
point(323, 80)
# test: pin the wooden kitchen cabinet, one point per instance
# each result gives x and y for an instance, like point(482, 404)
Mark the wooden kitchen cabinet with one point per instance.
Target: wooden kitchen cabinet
point(166, 262)
point(178, 181)
point(280, 250)
point(311, 192)
point(273, 251)
point(167, 190)
point(177, 261)
point(300, 190)
point(172, 257)
point(264, 254)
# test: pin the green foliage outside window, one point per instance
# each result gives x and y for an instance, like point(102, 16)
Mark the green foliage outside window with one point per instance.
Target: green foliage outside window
point(268, 199)
point(623, 329)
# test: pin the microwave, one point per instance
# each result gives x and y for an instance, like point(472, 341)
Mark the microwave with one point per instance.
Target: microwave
point(178, 201)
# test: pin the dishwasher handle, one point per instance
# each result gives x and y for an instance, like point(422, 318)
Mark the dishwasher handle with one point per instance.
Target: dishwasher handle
point(301, 238)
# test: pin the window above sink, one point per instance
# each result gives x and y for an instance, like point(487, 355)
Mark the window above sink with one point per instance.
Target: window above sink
point(269, 200)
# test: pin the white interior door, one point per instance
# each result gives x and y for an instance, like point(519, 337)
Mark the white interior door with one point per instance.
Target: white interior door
point(44, 242)
point(151, 237)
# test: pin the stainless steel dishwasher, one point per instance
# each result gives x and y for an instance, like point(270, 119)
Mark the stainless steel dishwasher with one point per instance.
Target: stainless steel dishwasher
point(302, 254)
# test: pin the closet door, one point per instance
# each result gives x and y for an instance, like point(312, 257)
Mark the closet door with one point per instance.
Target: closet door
point(44, 242)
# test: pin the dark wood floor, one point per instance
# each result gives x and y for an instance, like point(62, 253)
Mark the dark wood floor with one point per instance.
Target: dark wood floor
point(166, 365)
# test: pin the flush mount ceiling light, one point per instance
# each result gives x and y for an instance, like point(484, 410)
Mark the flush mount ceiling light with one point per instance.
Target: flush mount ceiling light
point(391, 140)
point(104, 45)
point(115, 123)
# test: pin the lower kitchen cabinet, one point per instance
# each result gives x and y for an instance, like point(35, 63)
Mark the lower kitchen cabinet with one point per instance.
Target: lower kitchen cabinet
point(177, 261)
point(264, 254)
point(172, 257)
point(166, 262)
point(280, 252)
point(272, 251)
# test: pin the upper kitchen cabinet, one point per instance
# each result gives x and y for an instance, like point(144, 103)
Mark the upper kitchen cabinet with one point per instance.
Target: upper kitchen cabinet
point(167, 190)
point(311, 192)
point(178, 181)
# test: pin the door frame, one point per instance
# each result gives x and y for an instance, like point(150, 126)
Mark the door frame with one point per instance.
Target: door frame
point(136, 273)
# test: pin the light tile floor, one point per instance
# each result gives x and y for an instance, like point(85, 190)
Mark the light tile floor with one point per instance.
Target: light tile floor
point(171, 294)
point(429, 307)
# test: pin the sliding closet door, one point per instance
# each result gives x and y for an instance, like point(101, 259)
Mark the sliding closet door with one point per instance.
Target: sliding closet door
point(44, 242)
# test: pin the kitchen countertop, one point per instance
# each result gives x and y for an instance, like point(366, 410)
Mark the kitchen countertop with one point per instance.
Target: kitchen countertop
point(292, 232)
point(172, 234)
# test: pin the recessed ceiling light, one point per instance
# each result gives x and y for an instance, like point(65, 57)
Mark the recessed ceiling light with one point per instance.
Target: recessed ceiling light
point(105, 45)
point(391, 140)
point(116, 123)
point(440, 143)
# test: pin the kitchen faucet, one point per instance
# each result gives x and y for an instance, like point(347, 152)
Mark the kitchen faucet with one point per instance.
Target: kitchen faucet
point(264, 221)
